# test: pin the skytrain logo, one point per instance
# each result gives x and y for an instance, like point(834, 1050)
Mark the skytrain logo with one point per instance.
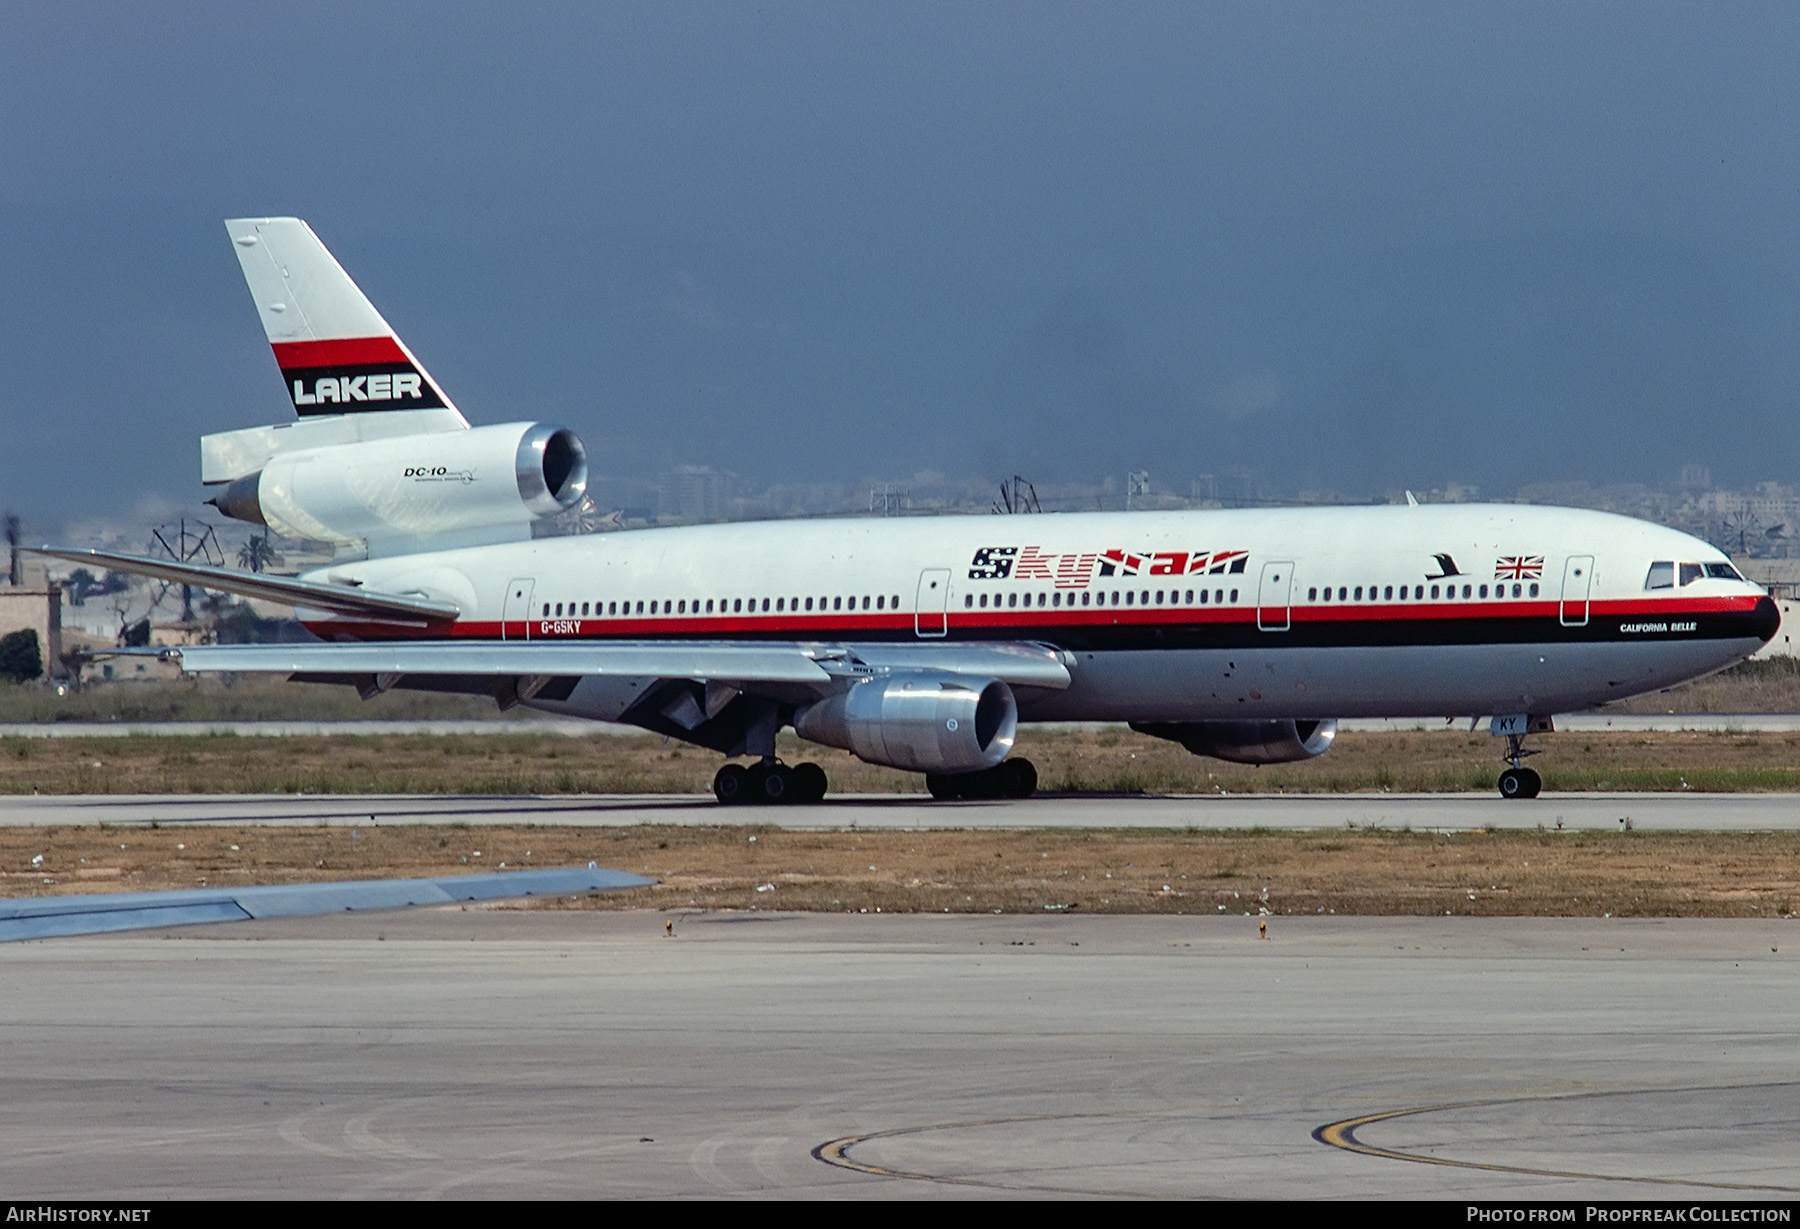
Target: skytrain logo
point(1078, 569)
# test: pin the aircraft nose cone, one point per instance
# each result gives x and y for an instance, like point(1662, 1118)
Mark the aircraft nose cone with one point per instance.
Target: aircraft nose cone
point(1766, 620)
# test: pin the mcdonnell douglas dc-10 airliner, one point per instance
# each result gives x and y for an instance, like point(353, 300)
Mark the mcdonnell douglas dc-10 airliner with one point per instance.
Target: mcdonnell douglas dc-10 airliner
point(919, 643)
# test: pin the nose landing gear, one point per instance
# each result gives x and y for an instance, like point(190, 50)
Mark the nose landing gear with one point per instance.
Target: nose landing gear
point(1518, 781)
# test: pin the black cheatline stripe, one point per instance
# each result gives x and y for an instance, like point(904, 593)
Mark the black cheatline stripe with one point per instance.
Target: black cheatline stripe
point(1241, 633)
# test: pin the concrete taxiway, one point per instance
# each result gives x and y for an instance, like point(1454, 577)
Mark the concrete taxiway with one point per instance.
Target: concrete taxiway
point(520, 1055)
point(1419, 812)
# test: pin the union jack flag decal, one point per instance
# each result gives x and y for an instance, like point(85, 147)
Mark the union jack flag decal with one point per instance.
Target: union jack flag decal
point(1519, 567)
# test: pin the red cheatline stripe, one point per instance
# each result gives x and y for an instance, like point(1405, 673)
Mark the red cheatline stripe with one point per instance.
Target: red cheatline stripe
point(338, 352)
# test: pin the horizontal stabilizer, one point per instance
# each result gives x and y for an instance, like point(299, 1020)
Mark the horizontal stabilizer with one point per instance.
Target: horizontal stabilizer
point(45, 917)
point(315, 595)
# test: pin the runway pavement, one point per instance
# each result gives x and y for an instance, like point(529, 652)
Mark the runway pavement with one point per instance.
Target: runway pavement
point(520, 1055)
point(1419, 812)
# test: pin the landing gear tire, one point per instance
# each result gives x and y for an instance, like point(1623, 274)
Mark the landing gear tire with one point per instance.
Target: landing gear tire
point(731, 785)
point(943, 787)
point(771, 784)
point(1014, 778)
point(1018, 778)
point(809, 783)
point(1520, 783)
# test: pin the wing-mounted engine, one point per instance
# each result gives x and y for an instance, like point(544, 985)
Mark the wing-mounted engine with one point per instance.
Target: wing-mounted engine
point(922, 722)
point(414, 492)
point(1248, 742)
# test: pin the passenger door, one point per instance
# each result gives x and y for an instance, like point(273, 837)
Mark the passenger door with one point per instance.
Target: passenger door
point(929, 616)
point(1273, 595)
point(517, 609)
point(1577, 587)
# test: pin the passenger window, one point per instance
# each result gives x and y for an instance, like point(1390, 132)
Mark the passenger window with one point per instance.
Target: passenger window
point(1144, 600)
point(1358, 593)
point(765, 605)
point(984, 601)
point(1084, 599)
point(1534, 589)
point(1690, 572)
point(894, 602)
point(865, 602)
point(1128, 596)
point(1203, 596)
point(968, 600)
point(1515, 591)
point(1483, 591)
point(1434, 593)
point(640, 606)
point(1190, 597)
point(1312, 595)
point(881, 601)
point(780, 604)
point(1390, 593)
point(1234, 593)
point(1662, 575)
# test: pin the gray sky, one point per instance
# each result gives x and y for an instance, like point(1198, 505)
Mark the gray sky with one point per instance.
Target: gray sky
point(1357, 246)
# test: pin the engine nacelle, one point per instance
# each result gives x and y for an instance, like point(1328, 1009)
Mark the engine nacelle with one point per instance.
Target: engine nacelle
point(1248, 742)
point(920, 722)
point(454, 487)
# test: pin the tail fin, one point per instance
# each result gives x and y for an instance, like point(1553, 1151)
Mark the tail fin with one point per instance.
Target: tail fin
point(337, 355)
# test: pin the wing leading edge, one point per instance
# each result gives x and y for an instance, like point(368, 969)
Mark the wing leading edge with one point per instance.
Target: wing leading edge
point(821, 667)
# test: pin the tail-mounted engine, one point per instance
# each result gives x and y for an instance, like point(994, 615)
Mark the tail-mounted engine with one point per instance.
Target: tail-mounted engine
point(1248, 742)
point(411, 492)
point(942, 723)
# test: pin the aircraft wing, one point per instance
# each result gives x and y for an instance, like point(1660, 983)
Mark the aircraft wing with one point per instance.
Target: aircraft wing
point(823, 667)
point(45, 917)
point(338, 599)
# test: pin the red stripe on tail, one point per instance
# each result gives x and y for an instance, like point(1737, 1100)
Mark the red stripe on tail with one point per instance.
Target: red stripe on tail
point(343, 352)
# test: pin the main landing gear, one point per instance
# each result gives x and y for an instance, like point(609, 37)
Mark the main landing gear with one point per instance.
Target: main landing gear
point(770, 783)
point(1519, 782)
point(1014, 778)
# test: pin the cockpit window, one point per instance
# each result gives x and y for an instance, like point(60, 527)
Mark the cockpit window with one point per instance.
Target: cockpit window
point(1662, 576)
point(1690, 572)
point(1723, 571)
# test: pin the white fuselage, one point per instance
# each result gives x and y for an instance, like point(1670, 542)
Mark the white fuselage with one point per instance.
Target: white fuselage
point(1163, 616)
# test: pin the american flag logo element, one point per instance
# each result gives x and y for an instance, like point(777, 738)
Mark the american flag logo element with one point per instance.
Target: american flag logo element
point(1519, 567)
point(1079, 569)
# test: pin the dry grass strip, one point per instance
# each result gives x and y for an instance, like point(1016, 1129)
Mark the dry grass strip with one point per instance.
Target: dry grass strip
point(1500, 873)
point(1104, 760)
